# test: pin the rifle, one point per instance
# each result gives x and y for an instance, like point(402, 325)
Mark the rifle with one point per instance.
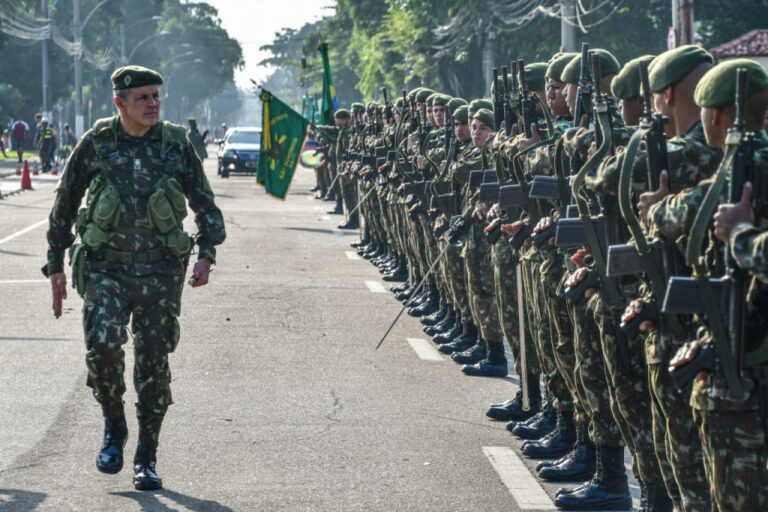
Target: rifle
point(642, 255)
point(509, 114)
point(527, 107)
point(498, 102)
point(584, 94)
point(387, 106)
point(736, 169)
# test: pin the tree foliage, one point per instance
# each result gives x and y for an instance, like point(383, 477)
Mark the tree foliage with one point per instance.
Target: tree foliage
point(441, 43)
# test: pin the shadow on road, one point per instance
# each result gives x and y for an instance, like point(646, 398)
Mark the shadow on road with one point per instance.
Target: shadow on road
point(14, 500)
point(149, 502)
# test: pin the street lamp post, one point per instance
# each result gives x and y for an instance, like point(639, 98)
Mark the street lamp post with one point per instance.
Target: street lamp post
point(78, 71)
point(123, 28)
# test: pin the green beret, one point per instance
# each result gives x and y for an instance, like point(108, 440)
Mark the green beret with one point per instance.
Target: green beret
point(672, 66)
point(608, 66)
point(129, 77)
point(423, 94)
point(342, 113)
point(718, 85)
point(556, 65)
point(431, 98)
point(399, 102)
point(626, 85)
point(534, 75)
point(357, 106)
point(486, 116)
point(456, 103)
point(412, 95)
point(461, 114)
point(441, 99)
point(191, 119)
point(476, 105)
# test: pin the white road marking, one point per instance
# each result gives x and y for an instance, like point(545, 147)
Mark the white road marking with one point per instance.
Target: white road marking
point(375, 287)
point(325, 217)
point(352, 255)
point(523, 487)
point(24, 281)
point(424, 349)
point(25, 230)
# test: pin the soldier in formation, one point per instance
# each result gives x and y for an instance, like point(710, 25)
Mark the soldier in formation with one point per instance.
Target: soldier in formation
point(605, 225)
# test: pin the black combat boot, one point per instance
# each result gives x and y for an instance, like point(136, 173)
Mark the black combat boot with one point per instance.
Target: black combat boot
point(555, 444)
point(578, 465)
point(444, 324)
point(110, 457)
point(462, 337)
point(397, 288)
point(338, 209)
point(145, 477)
point(608, 489)
point(330, 195)
point(473, 354)
point(512, 410)
point(493, 365)
point(363, 241)
point(427, 307)
point(437, 316)
point(352, 222)
point(657, 499)
point(538, 426)
point(451, 333)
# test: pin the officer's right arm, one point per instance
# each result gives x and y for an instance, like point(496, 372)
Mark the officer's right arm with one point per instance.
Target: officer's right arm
point(69, 194)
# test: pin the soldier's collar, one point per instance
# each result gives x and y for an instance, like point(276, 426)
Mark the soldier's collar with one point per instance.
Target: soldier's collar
point(154, 133)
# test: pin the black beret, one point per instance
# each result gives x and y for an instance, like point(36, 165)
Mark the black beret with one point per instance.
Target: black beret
point(342, 113)
point(129, 77)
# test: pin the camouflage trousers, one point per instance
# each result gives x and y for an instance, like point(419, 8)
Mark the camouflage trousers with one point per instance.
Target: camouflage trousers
point(457, 281)
point(348, 193)
point(541, 330)
point(482, 297)
point(152, 305)
point(590, 376)
point(676, 437)
point(505, 282)
point(734, 436)
point(630, 396)
point(551, 272)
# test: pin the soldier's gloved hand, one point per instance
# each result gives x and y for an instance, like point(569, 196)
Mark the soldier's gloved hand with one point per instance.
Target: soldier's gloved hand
point(633, 309)
point(512, 229)
point(59, 289)
point(648, 199)
point(576, 278)
point(490, 227)
point(579, 257)
point(481, 210)
point(728, 216)
point(200, 273)
point(544, 224)
point(494, 212)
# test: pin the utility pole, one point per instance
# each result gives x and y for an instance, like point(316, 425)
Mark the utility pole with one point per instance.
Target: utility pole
point(567, 28)
point(46, 70)
point(79, 125)
point(489, 58)
point(686, 17)
point(123, 56)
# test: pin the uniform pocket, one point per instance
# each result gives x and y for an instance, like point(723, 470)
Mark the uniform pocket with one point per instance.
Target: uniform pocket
point(95, 237)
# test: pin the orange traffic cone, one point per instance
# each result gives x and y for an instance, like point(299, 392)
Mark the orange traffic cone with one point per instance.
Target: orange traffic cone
point(26, 181)
point(34, 169)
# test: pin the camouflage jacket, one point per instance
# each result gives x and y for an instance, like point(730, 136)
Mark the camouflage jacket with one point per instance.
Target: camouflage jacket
point(135, 169)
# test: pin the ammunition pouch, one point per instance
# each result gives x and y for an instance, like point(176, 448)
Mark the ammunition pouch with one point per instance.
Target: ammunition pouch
point(489, 192)
point(177, 242)
point(103, 204)
point(95, 237)
point(167, 206)
point(78, 261)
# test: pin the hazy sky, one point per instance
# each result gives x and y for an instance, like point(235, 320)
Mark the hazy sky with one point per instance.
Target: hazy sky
point(254, 23)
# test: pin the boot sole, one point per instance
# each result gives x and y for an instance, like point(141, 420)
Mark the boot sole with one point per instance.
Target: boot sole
point(147, 486)
point(108, 470)
point(610, 505)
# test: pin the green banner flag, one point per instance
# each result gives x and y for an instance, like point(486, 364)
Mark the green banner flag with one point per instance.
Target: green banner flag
point(330, 103)
point(283, 132)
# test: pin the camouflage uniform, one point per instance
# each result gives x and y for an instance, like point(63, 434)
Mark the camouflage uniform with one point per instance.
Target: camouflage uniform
point(133, 277)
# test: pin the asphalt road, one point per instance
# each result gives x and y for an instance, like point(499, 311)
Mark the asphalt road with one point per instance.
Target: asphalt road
point(281, 402)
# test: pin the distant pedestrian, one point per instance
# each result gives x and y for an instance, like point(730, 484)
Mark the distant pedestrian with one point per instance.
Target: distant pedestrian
point(47, 144)
point(2, 138)
point(197, 139)
point(19, 131)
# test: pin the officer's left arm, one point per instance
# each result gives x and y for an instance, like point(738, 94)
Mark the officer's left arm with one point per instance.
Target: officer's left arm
point(208, 217)
point(749, 247)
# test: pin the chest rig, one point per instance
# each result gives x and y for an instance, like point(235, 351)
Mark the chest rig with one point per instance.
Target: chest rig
point(166, 205)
